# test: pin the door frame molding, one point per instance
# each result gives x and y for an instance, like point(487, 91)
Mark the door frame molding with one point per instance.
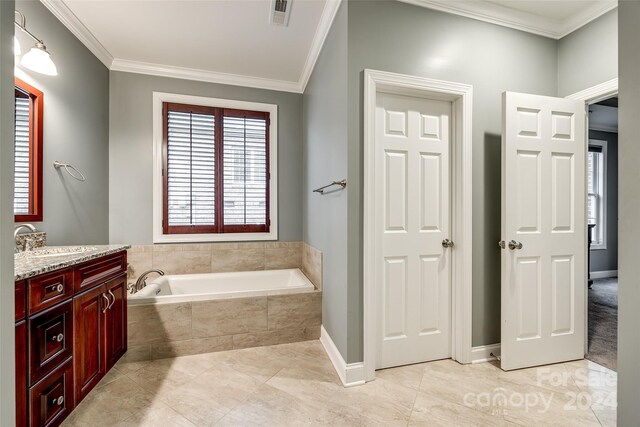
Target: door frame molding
point(460, 95)
point(591, 95)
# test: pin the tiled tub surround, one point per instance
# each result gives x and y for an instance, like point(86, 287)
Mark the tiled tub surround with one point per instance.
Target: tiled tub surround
point(158, 331)
point(191, 258)
point(312, 264)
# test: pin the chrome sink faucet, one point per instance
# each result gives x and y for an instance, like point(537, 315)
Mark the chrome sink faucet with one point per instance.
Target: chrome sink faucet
point(142, 280)
point(17, 230)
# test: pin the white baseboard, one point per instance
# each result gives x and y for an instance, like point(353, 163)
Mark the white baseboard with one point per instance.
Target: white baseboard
point(604, 274)
point(483, 353)
point(351, 374)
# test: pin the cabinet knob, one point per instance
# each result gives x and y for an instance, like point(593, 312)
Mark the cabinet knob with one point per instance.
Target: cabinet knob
point(58, 338)
point(60, 288)
point(59, 401)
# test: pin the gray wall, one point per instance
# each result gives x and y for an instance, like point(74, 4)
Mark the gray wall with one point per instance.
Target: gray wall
point(76, 126)
point(325, 160)
point(131, 151)
point(7, 290)
point(629, 188)
point(607, 259)
point(402, 38)
point(588, 56)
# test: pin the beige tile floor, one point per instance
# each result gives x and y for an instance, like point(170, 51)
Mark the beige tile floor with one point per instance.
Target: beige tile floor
point(296, 385)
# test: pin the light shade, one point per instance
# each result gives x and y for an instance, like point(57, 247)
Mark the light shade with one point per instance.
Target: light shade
point(16, 46)
point(38, 60)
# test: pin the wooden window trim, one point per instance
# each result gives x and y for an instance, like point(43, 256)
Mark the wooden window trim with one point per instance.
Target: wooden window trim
point(35, 153)
point(218, 227)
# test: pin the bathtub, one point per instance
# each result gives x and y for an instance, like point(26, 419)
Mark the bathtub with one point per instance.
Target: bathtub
point(202, 287)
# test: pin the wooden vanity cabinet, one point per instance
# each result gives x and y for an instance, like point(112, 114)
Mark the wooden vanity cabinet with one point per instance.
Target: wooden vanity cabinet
point(68, 336)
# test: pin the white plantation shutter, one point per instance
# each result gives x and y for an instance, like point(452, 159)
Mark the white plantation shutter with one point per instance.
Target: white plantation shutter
point(216, 170)
point(191, 169)
point(21, 198)
point(245, 170)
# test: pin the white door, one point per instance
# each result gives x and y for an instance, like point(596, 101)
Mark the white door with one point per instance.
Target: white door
point(543, 213)
point(413, 269)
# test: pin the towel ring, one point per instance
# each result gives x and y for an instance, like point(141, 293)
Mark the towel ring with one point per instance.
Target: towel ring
point(71, 170)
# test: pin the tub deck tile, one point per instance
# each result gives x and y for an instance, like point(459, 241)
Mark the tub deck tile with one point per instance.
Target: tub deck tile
point(295, 310)
point(229, 316)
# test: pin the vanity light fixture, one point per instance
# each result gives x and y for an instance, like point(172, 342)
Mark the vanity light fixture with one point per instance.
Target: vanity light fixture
point(37, 59)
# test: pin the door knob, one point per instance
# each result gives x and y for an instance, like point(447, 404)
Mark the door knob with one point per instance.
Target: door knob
point(502, 244)
point(58, 338)
point(446, 243)
point(515, 245)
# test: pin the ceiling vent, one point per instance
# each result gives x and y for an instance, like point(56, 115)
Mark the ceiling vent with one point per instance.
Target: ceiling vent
point(280, 11)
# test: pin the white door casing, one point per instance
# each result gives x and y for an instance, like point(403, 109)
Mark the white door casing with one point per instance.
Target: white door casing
point(413, 269)
point(543, 208)
point(461, 98)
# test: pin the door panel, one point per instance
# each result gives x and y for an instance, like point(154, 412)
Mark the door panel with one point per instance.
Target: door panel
point(116, 321)
point(412, 219)
point(89, 352)
point(543, 208)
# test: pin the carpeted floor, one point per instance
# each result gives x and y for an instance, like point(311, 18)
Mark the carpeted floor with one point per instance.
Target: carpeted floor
point(603, 323)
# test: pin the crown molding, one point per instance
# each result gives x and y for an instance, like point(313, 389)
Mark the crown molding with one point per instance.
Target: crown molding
point(603, 128)
point(493, 13)
point(203, 75)
point(585, 16)
point(61, 11)
point(322, 31)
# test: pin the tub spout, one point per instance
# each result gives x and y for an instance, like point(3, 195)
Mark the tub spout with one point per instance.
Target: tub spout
point(142, 280)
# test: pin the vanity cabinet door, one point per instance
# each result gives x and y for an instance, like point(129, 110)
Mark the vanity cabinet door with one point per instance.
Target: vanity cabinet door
point(21, 374)
point(51, 400)
point(89, 312)
point(116, 320)
point(50, 335)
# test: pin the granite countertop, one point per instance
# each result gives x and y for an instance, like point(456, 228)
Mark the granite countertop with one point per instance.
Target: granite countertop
point(49, 258)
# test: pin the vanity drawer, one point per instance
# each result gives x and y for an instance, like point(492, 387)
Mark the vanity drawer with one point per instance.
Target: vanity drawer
point(50, 340)
point(98, 271)
point(21, 300)
point(49, 289)
point(51, 400)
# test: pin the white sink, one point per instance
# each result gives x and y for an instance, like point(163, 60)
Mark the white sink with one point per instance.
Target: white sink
point(56, 251)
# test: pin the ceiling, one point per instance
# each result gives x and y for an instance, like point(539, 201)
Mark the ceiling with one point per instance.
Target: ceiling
point(611, 102)
point(223, 41)
point(604, 116)
point(549, 18)
point(232, 41)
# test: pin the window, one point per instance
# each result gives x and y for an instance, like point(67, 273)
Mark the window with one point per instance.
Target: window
point(215, 170)
point(596, 197)
point(29, 105)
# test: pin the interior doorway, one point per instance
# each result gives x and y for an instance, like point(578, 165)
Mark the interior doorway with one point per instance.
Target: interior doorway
point(434, 111)
point(602, 216)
